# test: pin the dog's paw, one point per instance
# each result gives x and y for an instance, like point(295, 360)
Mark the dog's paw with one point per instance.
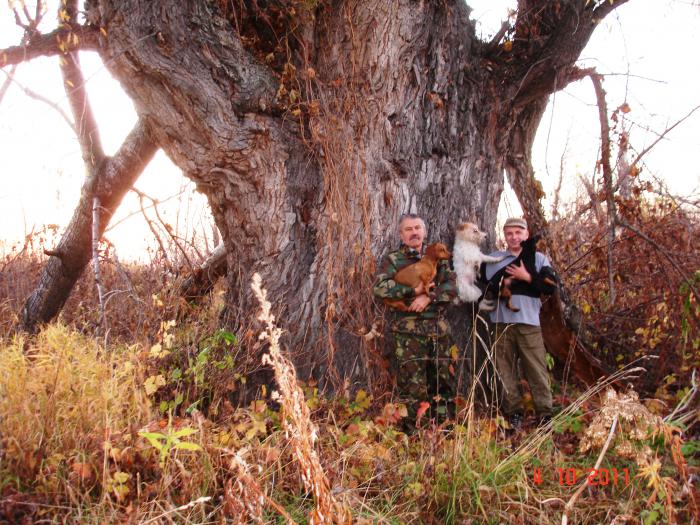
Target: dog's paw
point(486, 305)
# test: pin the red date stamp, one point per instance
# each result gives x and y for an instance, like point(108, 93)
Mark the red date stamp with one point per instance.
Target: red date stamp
point(595, 477)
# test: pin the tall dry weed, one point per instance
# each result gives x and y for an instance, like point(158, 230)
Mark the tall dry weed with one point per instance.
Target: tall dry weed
point(297, 423)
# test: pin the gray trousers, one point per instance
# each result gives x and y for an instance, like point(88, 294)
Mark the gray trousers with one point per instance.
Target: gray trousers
point(524, 342)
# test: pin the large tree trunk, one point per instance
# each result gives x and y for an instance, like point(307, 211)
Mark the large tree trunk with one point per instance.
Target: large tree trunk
point(394, 123)
point(311, 129)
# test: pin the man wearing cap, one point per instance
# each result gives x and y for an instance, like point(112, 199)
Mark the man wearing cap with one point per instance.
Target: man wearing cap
point(518, 334)
point(423, 350)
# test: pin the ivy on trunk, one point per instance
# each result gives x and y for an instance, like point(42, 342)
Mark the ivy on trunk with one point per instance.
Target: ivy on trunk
point(311, 126)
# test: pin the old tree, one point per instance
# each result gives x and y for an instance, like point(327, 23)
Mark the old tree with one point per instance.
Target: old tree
point(311, 125)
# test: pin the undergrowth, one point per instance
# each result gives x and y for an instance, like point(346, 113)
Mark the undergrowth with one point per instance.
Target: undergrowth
point(85, 438)
point(149, 424)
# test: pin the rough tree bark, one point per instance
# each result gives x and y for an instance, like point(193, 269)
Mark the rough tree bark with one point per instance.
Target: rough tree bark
point(311, 126)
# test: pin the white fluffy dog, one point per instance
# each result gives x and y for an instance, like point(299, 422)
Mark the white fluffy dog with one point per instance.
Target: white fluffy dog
point(467, 259)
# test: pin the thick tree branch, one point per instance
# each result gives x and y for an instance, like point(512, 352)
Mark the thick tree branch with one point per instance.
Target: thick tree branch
point(202, 279)
point(549, 37)
point(51, 44)
point(74, 85)
point(85, 124)
point(111, 180)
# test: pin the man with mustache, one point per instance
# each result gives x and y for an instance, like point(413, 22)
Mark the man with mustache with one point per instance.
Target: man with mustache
point(425, 359)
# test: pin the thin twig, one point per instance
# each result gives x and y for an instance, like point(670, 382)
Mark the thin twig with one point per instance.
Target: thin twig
point(131, 214)
point(8, 80)
point(493, 44)
point(663, 134)
point(189, 505)
point(166, 226)
point(96, 259)
point(151, 227)
point(41, 98)
point(677, 412)
point(607, 176)
point(663, 252)
point(570, 504)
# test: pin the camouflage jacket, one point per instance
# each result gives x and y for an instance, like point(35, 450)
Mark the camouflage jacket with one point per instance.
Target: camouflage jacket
point(429, 322)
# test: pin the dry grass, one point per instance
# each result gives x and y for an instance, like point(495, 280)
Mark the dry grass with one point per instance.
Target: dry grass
point(61, 398)
point(74, 413)
point(71, 415)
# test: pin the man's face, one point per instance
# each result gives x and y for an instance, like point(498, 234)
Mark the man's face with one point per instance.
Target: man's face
point(412, 233)
point(514, 236)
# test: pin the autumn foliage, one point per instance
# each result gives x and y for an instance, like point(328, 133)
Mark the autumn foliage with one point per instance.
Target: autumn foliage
point(652, 316)
point(149, 421)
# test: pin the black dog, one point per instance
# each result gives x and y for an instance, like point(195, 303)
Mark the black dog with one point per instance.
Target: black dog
point(542, 282)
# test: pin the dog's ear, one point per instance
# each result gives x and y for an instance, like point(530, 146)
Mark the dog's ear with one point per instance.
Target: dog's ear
point(541, 245)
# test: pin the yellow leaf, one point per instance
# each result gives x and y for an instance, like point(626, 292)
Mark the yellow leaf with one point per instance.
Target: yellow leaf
point(153, 383)
point(362, 399)
point(414, 489)
point(121, 477)
point(158, 352)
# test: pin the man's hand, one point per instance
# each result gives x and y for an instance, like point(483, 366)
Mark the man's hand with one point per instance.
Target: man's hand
point(421, 289)
point(419, 303)
point(519, 272)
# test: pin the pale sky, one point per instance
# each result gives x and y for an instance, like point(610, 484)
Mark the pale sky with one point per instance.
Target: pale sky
point(656, 41)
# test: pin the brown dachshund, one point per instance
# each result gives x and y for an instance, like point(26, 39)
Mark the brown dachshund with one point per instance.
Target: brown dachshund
point(423, 271)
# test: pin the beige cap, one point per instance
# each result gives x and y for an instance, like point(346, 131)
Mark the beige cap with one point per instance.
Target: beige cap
point(515, 222)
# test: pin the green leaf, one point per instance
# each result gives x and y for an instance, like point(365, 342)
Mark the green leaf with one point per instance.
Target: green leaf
point(185, 445)
point(192, 407)
point(549, 360)
point(690, 448)
point(187, 431)
point(228, 337)
point(154, 438)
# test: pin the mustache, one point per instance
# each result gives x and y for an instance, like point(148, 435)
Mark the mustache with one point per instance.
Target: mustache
point(415, 237)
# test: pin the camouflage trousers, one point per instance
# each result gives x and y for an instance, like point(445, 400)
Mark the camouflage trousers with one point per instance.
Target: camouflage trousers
point(426, 372)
